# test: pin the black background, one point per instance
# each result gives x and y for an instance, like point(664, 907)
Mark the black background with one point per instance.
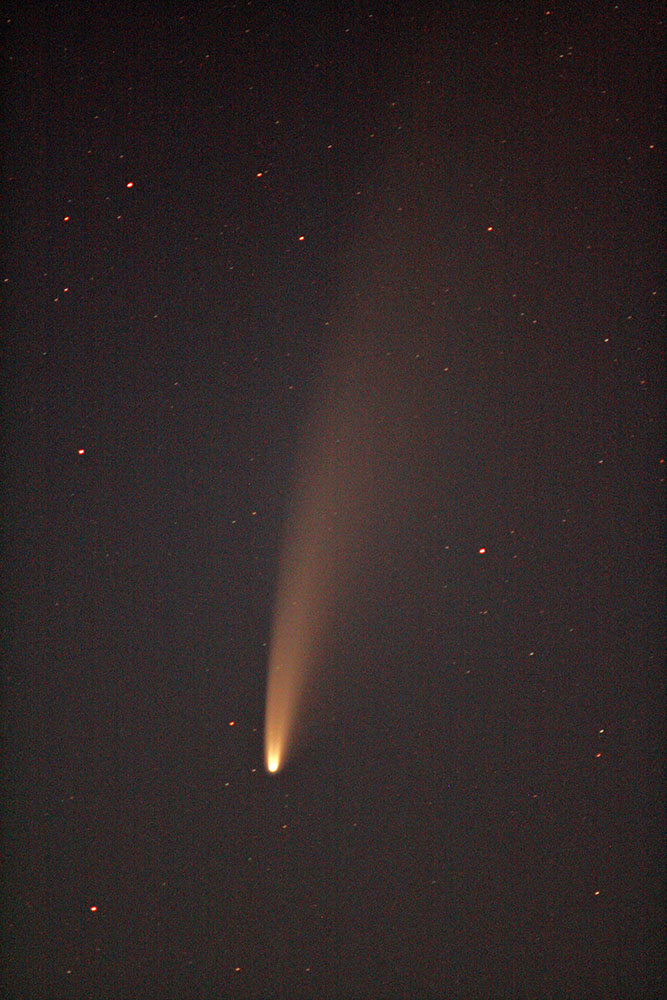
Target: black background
point(478, 811)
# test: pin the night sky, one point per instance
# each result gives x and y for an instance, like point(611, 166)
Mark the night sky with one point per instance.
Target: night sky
point(437, 235)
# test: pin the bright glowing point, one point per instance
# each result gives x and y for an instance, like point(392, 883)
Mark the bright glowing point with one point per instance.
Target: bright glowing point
point(273, 757)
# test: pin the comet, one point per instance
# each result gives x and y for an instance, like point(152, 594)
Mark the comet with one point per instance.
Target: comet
point(350, 475)
point(317, 555)
point(321, 548)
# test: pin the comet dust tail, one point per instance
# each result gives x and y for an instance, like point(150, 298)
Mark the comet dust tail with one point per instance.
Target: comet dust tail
point(311, 579)
point(320, 547)
point(361, 449)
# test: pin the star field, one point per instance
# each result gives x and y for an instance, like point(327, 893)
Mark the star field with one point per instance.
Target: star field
point(442, 230)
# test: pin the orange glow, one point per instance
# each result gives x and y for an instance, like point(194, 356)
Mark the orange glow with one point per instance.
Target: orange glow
point(481, 551)
point(348, 485)
point(130, 184)
point(93, 909)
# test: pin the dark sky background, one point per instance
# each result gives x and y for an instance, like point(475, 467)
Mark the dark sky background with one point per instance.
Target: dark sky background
point(202, 202)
